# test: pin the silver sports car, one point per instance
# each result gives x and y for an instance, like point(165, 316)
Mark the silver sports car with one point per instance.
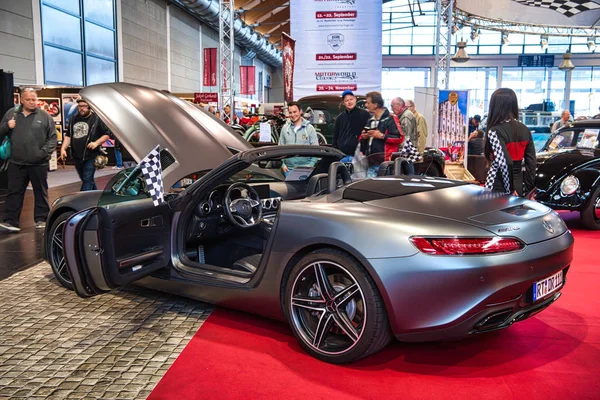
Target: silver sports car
point(349, 264)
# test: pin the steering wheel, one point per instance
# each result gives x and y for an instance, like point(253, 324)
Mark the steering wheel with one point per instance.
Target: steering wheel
point(244, 212)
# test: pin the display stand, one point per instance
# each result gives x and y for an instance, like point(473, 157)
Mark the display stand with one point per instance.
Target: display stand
point(459, 172)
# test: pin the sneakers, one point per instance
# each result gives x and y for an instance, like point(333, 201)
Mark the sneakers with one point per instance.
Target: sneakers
point(117, 167)
point(6, 227)
point(40, 225)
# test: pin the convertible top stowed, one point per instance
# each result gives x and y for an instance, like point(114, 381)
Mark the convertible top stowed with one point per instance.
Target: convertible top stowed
point(383, 188)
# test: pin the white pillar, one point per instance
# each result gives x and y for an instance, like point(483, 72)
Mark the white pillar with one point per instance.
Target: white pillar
point(37, 42)
point(168, 47)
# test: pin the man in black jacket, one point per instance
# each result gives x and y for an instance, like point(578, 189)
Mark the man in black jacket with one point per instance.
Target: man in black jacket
point(349, 125)
point(85, 136)
point(33, 140)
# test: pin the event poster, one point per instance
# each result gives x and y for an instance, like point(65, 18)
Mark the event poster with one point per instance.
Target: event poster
point(340, 44)
point(69, 108)
point(289, 52)
point(452, 127)
point(51, 105)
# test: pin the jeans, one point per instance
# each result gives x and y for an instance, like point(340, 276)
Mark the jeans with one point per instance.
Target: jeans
point(118, 158)
point(86, 170)
point(19, 177)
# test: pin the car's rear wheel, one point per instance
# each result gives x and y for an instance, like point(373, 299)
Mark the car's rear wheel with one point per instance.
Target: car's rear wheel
point(590, 215)
point(54, 249)
point(334, 308)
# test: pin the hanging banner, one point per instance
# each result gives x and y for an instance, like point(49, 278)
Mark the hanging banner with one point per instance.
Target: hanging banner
point(340, 47)
point(247, 80)
point(210, 67)
point(452, 126)
point(289, 51)
point(205, 98)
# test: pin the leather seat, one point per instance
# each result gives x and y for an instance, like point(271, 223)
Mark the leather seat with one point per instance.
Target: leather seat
point(248, 264)
point(317, 184)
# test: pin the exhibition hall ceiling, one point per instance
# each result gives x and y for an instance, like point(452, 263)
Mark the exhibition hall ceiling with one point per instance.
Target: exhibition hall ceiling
point(272, 17)
point(576, 13)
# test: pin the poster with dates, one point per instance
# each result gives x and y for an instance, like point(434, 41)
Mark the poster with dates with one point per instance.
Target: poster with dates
point(339, 46)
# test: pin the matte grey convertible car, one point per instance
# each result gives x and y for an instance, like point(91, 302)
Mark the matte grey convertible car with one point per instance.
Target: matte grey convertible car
point(348, 264)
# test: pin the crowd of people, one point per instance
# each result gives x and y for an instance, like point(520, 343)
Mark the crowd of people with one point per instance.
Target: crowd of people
point(373, 135)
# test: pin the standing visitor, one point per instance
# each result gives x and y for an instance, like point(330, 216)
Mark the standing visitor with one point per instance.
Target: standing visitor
point(509, 147)
point(85, 136)
point(422, 130)
point(349, 125)
point(33, 140)
point(297, 131)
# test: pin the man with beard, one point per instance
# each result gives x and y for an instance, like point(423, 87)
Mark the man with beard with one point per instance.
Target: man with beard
point(349, 125)
point(33, 140)
point(85, 136)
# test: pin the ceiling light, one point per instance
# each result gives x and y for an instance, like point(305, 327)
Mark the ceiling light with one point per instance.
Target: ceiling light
point(455, 28)
point(505, 38)
point(591, 43)
point(474, 34)
point(566, 65)
point(544, 42)
point(461, 55)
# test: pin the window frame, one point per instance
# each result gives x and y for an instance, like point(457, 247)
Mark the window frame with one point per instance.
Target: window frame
point(83, 53)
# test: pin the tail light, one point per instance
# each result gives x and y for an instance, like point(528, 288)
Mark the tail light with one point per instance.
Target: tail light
point(458, 246)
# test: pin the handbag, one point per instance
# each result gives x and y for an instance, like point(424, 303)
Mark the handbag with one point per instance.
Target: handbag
point(5, 149)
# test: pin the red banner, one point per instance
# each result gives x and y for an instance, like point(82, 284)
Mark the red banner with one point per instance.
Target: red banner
point(247, 80)
point(210, 67)
point(206, 97)
point(289, 52)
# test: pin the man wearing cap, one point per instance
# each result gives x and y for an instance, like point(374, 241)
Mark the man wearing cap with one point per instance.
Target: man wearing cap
point(349, 125)
point(85, 136)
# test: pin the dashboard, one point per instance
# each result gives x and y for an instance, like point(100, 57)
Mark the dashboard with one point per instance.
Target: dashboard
point(209, 219)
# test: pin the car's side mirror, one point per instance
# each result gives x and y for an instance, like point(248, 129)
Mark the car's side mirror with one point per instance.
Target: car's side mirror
point(130, 184)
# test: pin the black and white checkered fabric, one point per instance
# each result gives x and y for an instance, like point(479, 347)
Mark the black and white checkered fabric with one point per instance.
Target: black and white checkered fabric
point(410, 152)
point(152, 172)
point(568, 8)
point(498, 164)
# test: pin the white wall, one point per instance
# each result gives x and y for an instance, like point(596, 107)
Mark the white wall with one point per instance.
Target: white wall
point(17, 40)
point(145, 42)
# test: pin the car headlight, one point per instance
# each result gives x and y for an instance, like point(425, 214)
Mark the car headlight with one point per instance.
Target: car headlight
point(569, 185)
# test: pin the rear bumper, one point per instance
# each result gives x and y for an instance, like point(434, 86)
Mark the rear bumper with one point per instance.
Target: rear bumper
point(436, 298)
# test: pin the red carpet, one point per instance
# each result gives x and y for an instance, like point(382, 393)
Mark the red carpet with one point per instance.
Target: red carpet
point(553, 355)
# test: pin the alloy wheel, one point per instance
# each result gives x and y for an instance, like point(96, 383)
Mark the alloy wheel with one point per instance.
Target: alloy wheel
point(328, 308)
point(57, 253)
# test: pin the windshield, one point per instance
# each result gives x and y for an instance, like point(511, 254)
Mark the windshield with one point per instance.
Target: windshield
point(588, 139)
point(561, 140)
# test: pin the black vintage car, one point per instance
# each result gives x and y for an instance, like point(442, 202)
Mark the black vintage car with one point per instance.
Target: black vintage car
point(568, 171)
point(324, 110)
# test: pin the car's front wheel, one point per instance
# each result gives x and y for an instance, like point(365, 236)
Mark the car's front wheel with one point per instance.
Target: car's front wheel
point(590, 214)
point(334, 308)
point(55, 252)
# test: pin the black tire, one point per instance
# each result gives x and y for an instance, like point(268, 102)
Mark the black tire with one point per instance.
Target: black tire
point(590, 214)
point(55, 258)
point(356, 303)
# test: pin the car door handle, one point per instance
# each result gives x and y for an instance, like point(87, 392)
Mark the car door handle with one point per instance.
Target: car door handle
point(152, 222)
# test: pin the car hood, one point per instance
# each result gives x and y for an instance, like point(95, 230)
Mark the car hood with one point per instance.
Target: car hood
point(142, 118)
point(554, 165)
point(499, 214)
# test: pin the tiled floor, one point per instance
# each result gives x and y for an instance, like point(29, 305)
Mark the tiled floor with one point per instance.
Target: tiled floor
point(117, 345)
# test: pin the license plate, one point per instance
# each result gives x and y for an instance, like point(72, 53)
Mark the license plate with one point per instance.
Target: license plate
point(548, 285)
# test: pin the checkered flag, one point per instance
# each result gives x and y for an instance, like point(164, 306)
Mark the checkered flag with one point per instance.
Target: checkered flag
point(410, 152)
point(568, 8)
point(152, 172)
point(498, 164)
